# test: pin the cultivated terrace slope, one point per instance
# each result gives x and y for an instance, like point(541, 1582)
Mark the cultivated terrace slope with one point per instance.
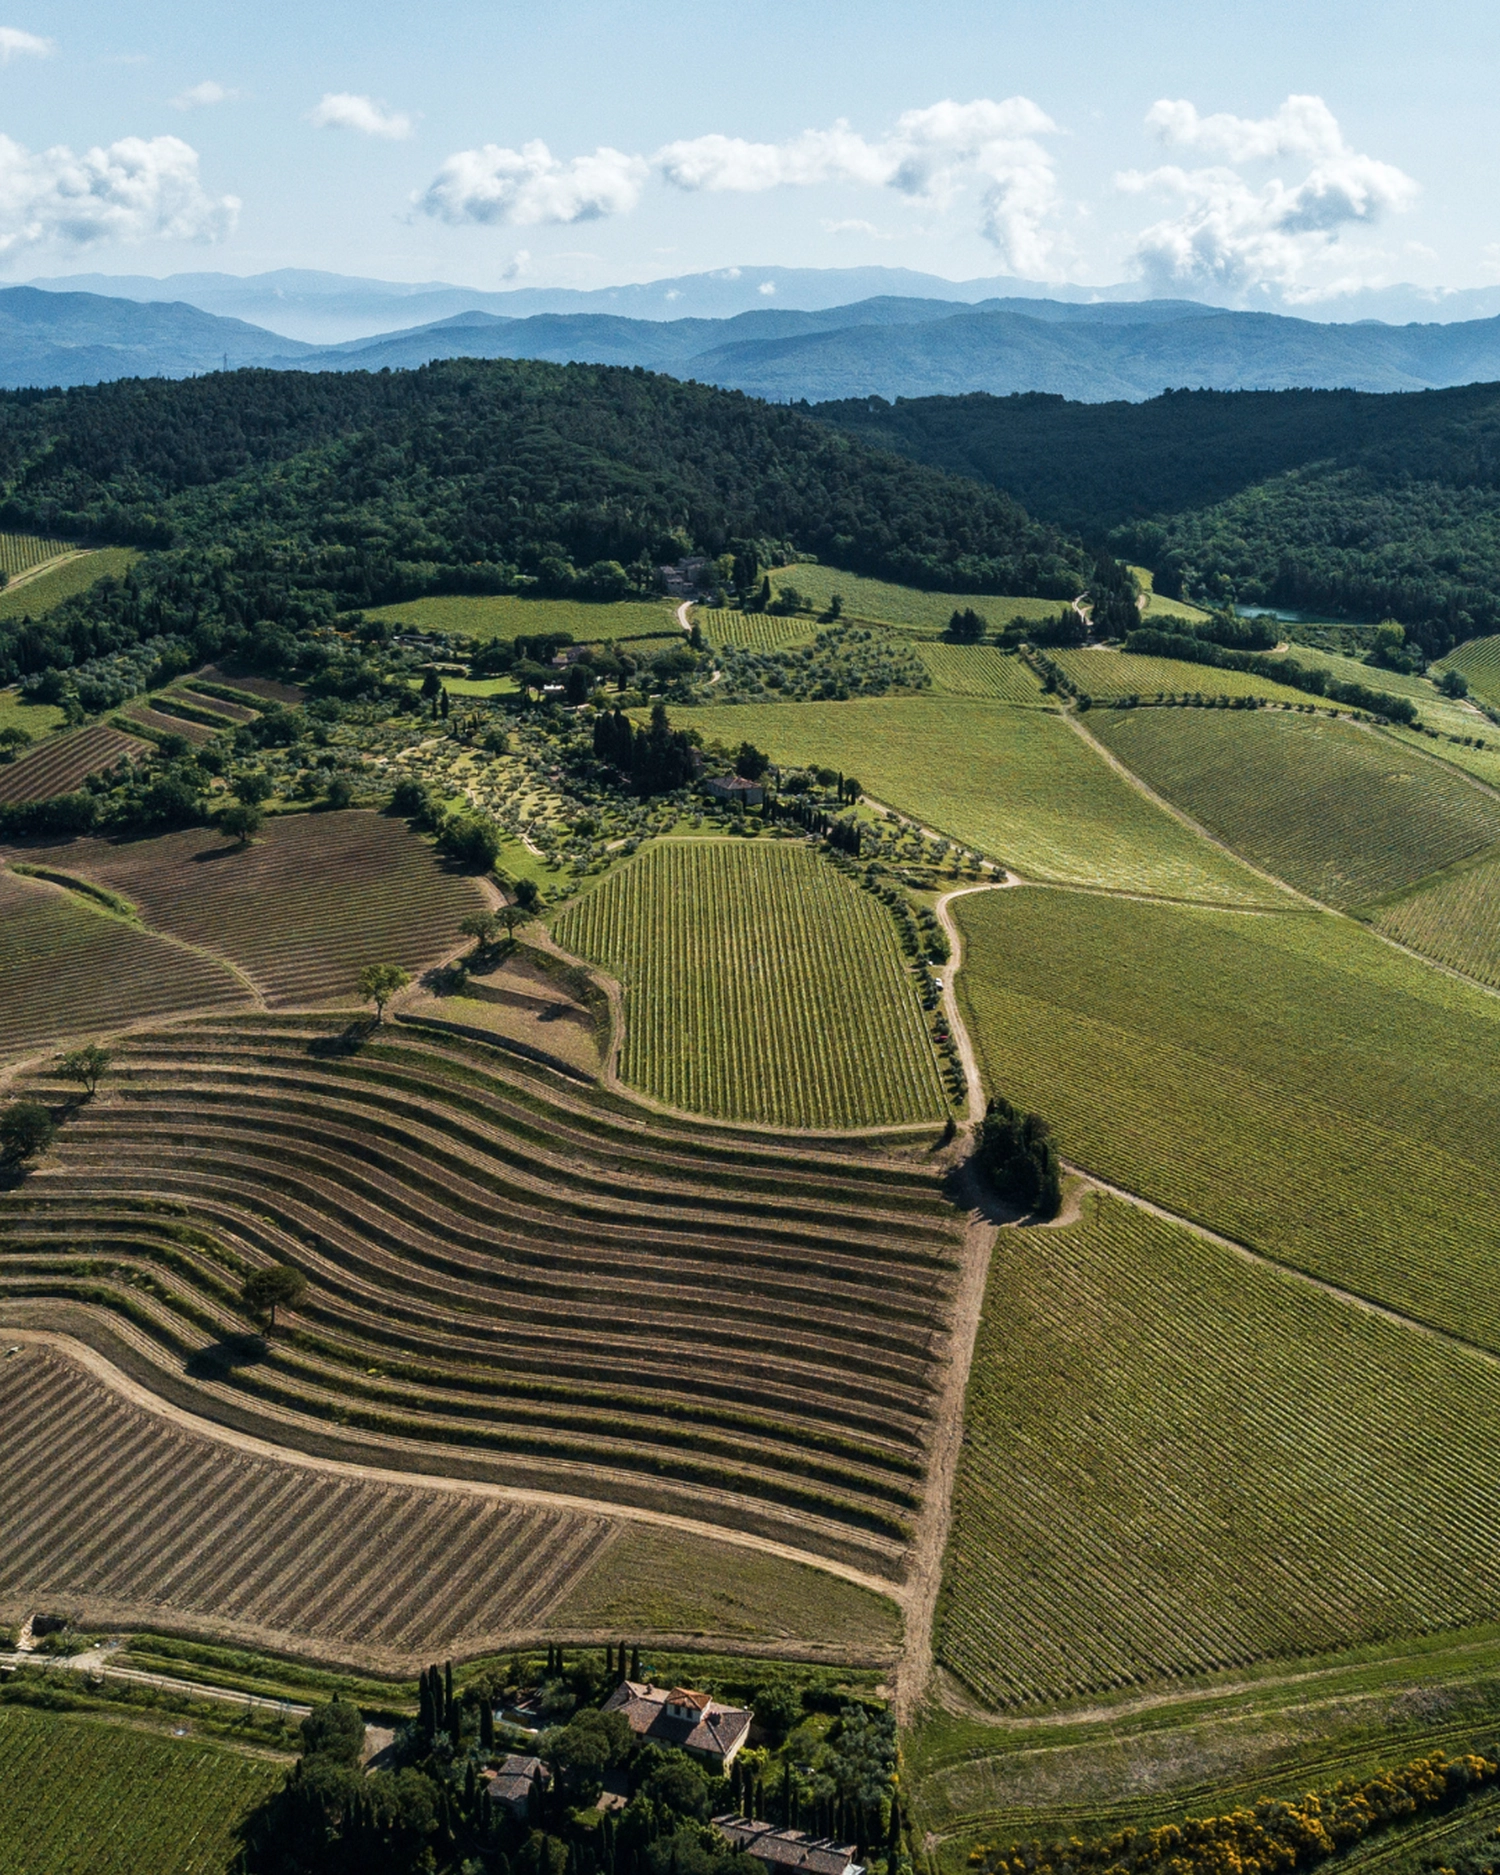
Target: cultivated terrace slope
point(513, 1276)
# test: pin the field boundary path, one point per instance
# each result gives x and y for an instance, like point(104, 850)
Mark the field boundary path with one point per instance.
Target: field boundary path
point(95, 1663)
point(104, 1370)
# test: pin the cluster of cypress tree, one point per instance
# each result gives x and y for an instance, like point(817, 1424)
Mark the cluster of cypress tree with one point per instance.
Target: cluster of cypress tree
point(656, 760)
point(1016, 1154)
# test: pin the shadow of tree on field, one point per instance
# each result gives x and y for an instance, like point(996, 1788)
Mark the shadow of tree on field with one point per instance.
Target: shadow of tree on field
point(968, 1189)
point(220, 1358)
point(348, 1041)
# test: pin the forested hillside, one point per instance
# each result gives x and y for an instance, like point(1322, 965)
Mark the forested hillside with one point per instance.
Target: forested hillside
point(276, 498)
point(1364, 505)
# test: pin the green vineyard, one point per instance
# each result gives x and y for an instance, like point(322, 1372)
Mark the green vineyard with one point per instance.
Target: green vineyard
point(1175, 1461)
point(755, 631)
point(1290, 1081)
point(1104, 674)
point(1479, 662)
point(20, 552)
point(926, 613)
point(1018, 785)
point(1340, 812)
point(488, 616)
point(84, 1797)
point(1455, 919)
point(50, 588)
point(760, 984)
point(981, 671)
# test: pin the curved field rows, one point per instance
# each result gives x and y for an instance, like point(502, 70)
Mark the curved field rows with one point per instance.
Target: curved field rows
point(1344, 814)
point(316, 897)
point(68, 970)
point(113, 1509)
point(1479, 662)
point(61, 764)
point(1176, 1462)
point(760, 984)
point(512, 1277)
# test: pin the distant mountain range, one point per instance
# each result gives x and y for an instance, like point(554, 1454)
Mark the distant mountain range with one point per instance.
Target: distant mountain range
point(887, 346)
point(330, 308)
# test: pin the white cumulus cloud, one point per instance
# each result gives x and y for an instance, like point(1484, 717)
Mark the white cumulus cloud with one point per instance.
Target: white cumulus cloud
point(346, 110)
point(14, 44)
point(932, 155)
point(139, 189)
point(531, 185)
point(1234, 233)
point(197, 96)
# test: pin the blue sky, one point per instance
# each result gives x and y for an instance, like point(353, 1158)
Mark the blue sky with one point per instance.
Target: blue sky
point(1225, 151)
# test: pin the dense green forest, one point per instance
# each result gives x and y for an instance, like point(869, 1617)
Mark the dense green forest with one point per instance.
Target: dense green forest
point(274, 499)
point(1364, 506)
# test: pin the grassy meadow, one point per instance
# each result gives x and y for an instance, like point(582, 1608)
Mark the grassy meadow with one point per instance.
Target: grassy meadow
point(1018, 785)
point(926, 613)
point(1341, 812)
point(760, 984)
point(37, 719)
point(488, 616)
point(81, 1796)
point(1176, 1461)
point(1287, 1080)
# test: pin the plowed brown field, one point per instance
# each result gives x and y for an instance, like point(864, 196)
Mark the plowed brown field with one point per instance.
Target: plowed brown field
point(58, 766)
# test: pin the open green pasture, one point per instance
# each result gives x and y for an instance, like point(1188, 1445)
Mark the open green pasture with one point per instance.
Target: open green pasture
point(1104, 673)
point(760, 984)
point(1341, 812)
point(982, 671)
point(39, 595)
point(654, 1581)
point(1019, 785)
point(37, 719)
point(81, 1796)
point(1176, 1461)
point(1289, 1081)
point(1479, 661)
point(488, 616)
point(1455, 918)
point(1159, 607)
point(927, 613)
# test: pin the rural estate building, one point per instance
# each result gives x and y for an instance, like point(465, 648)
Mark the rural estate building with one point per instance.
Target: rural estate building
point(735, 788)
point(789, 1851)
point(691, 1721)
point(509, 1789)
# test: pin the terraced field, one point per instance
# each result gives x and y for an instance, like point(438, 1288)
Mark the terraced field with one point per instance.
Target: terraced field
point(63, 763)
point(760, 984)
point(926, 613)
point(81, 1796)
point(164, 723)
point(513, 1277)
point(120, 1518)
point(1018, 785)
point(1456, 920)
point(502, 615)
point(1104, 674)
point(755, 631)
point(1479, 661)
point(1289, 1081)
point(1343, 813)
point(982, 671)
point(301, 911)
point(267, 688)
point(50, 587)
point(67, 969)
point(1175, 1461)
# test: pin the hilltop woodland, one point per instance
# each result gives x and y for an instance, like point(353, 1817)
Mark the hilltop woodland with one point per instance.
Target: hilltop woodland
point(273, 501)
point(1369, 506)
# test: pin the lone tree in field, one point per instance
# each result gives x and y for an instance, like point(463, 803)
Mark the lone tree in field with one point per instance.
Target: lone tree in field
point(87, 1065)
point(25, 1129)
point(265, 1291)
point(483, 927)
point(1016, 1154)
point(380, 982)
point(241, 821)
